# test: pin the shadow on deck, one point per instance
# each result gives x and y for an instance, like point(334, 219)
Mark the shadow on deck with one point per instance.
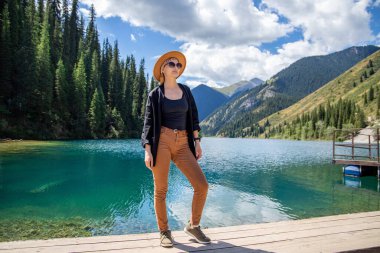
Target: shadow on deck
point(357, 232)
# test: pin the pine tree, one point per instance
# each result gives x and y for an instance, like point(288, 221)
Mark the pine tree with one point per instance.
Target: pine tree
point(328, 114)
point(139, 86)
point(25, 58)
point(61, 91)
point(97, 114)
point(144, 99)
point(152, 84)
point(371, 94)
point(55, 30)
point(66, 35)
point(105, 71)
point(41, 13)
point(94, 80)
point(117, 127)
point(340, 113)
point(91, 43)
point(5, 63)
point(79, 103)
point(360, 119)
point(128, 94)
point(44, 92)
point(115, 87)
point(74, 35)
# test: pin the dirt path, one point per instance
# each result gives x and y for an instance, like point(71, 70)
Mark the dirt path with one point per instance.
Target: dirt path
point(362, 137)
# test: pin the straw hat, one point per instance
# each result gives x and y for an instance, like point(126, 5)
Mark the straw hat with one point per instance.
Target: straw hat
point(157, 67)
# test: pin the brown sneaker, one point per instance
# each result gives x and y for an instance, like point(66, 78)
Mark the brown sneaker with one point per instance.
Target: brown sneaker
point(166, 239)
point(196, 233)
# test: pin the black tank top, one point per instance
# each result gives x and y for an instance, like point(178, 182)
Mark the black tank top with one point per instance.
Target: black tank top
point(174, 112)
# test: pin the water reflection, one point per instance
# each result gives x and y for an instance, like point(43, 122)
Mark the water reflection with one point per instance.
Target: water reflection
point(103, 187)
point(361, 182)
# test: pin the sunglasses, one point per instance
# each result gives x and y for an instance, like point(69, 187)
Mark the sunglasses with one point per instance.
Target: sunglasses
point(172, 65)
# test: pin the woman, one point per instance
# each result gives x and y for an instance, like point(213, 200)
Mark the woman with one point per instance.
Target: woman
point(170, 132)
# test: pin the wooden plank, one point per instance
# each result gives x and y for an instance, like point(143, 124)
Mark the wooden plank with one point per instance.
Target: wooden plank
point(350, 218)
point(327, 243)
point(243, 240)
point(360, 145)
point(341, 242)
point(238, 237)
point(210, 231)
point(356, 162)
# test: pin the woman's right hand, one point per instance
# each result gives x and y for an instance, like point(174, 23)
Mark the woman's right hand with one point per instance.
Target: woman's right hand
point(148, 159)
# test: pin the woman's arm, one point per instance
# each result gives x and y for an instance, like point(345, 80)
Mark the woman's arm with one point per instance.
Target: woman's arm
point(146, 136)
point(196, 127)
point(194, 111)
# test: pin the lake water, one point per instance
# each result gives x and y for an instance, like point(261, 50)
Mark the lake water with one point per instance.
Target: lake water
point(102, 187)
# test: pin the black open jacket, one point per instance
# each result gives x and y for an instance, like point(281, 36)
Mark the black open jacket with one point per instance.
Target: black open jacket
point(152, 121)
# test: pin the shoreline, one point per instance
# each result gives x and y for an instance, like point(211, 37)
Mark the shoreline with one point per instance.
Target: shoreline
point(8, 140)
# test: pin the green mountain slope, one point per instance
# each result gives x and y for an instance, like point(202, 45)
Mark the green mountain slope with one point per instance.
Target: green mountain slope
point(282, 90)
point(350, 100)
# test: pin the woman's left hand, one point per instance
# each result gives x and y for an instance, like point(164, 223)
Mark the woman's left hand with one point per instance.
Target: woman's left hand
point(198, 150)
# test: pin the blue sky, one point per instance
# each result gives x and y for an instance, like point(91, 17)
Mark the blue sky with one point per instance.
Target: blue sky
point(226, 41)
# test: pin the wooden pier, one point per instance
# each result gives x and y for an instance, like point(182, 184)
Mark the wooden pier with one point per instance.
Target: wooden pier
point(358, 232)
point(358, 139)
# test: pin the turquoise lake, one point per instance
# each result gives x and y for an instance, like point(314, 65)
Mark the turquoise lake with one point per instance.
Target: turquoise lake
point(102, 187)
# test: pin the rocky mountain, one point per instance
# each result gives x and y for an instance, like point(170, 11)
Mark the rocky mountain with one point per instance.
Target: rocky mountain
point(241, 86)
point(280, 91)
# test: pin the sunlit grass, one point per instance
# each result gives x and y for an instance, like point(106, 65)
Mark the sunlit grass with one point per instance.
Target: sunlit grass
point(28, 229)
point(16, 146)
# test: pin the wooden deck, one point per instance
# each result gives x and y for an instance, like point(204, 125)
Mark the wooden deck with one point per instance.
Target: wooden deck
point(339, 233)
point(356, 162)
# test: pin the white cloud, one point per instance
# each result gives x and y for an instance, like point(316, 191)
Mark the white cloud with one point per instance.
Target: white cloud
point(221, 22)
point(221, 39)
point(133, 38)
point(211, 83)
point(193, 83)
point(376, 3)
point(85, 12)
point(227, 65)
point(223, 64)
point(327, 25)
point(377, 43)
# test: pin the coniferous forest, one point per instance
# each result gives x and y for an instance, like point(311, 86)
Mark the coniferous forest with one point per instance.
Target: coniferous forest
point(351, 101)
point(59, 82)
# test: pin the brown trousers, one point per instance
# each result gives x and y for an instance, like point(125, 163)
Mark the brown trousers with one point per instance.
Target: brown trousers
point(174, 146)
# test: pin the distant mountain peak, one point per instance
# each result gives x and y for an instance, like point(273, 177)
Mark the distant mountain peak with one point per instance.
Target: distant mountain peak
point(240, 86)
point(207, 99)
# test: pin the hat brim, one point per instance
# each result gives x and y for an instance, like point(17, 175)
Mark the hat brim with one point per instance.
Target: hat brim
point(176, 54)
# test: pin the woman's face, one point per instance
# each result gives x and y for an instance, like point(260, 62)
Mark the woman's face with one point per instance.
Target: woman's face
point(171, 72)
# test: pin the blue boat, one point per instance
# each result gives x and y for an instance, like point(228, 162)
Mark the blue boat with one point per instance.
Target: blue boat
point(352, 170)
